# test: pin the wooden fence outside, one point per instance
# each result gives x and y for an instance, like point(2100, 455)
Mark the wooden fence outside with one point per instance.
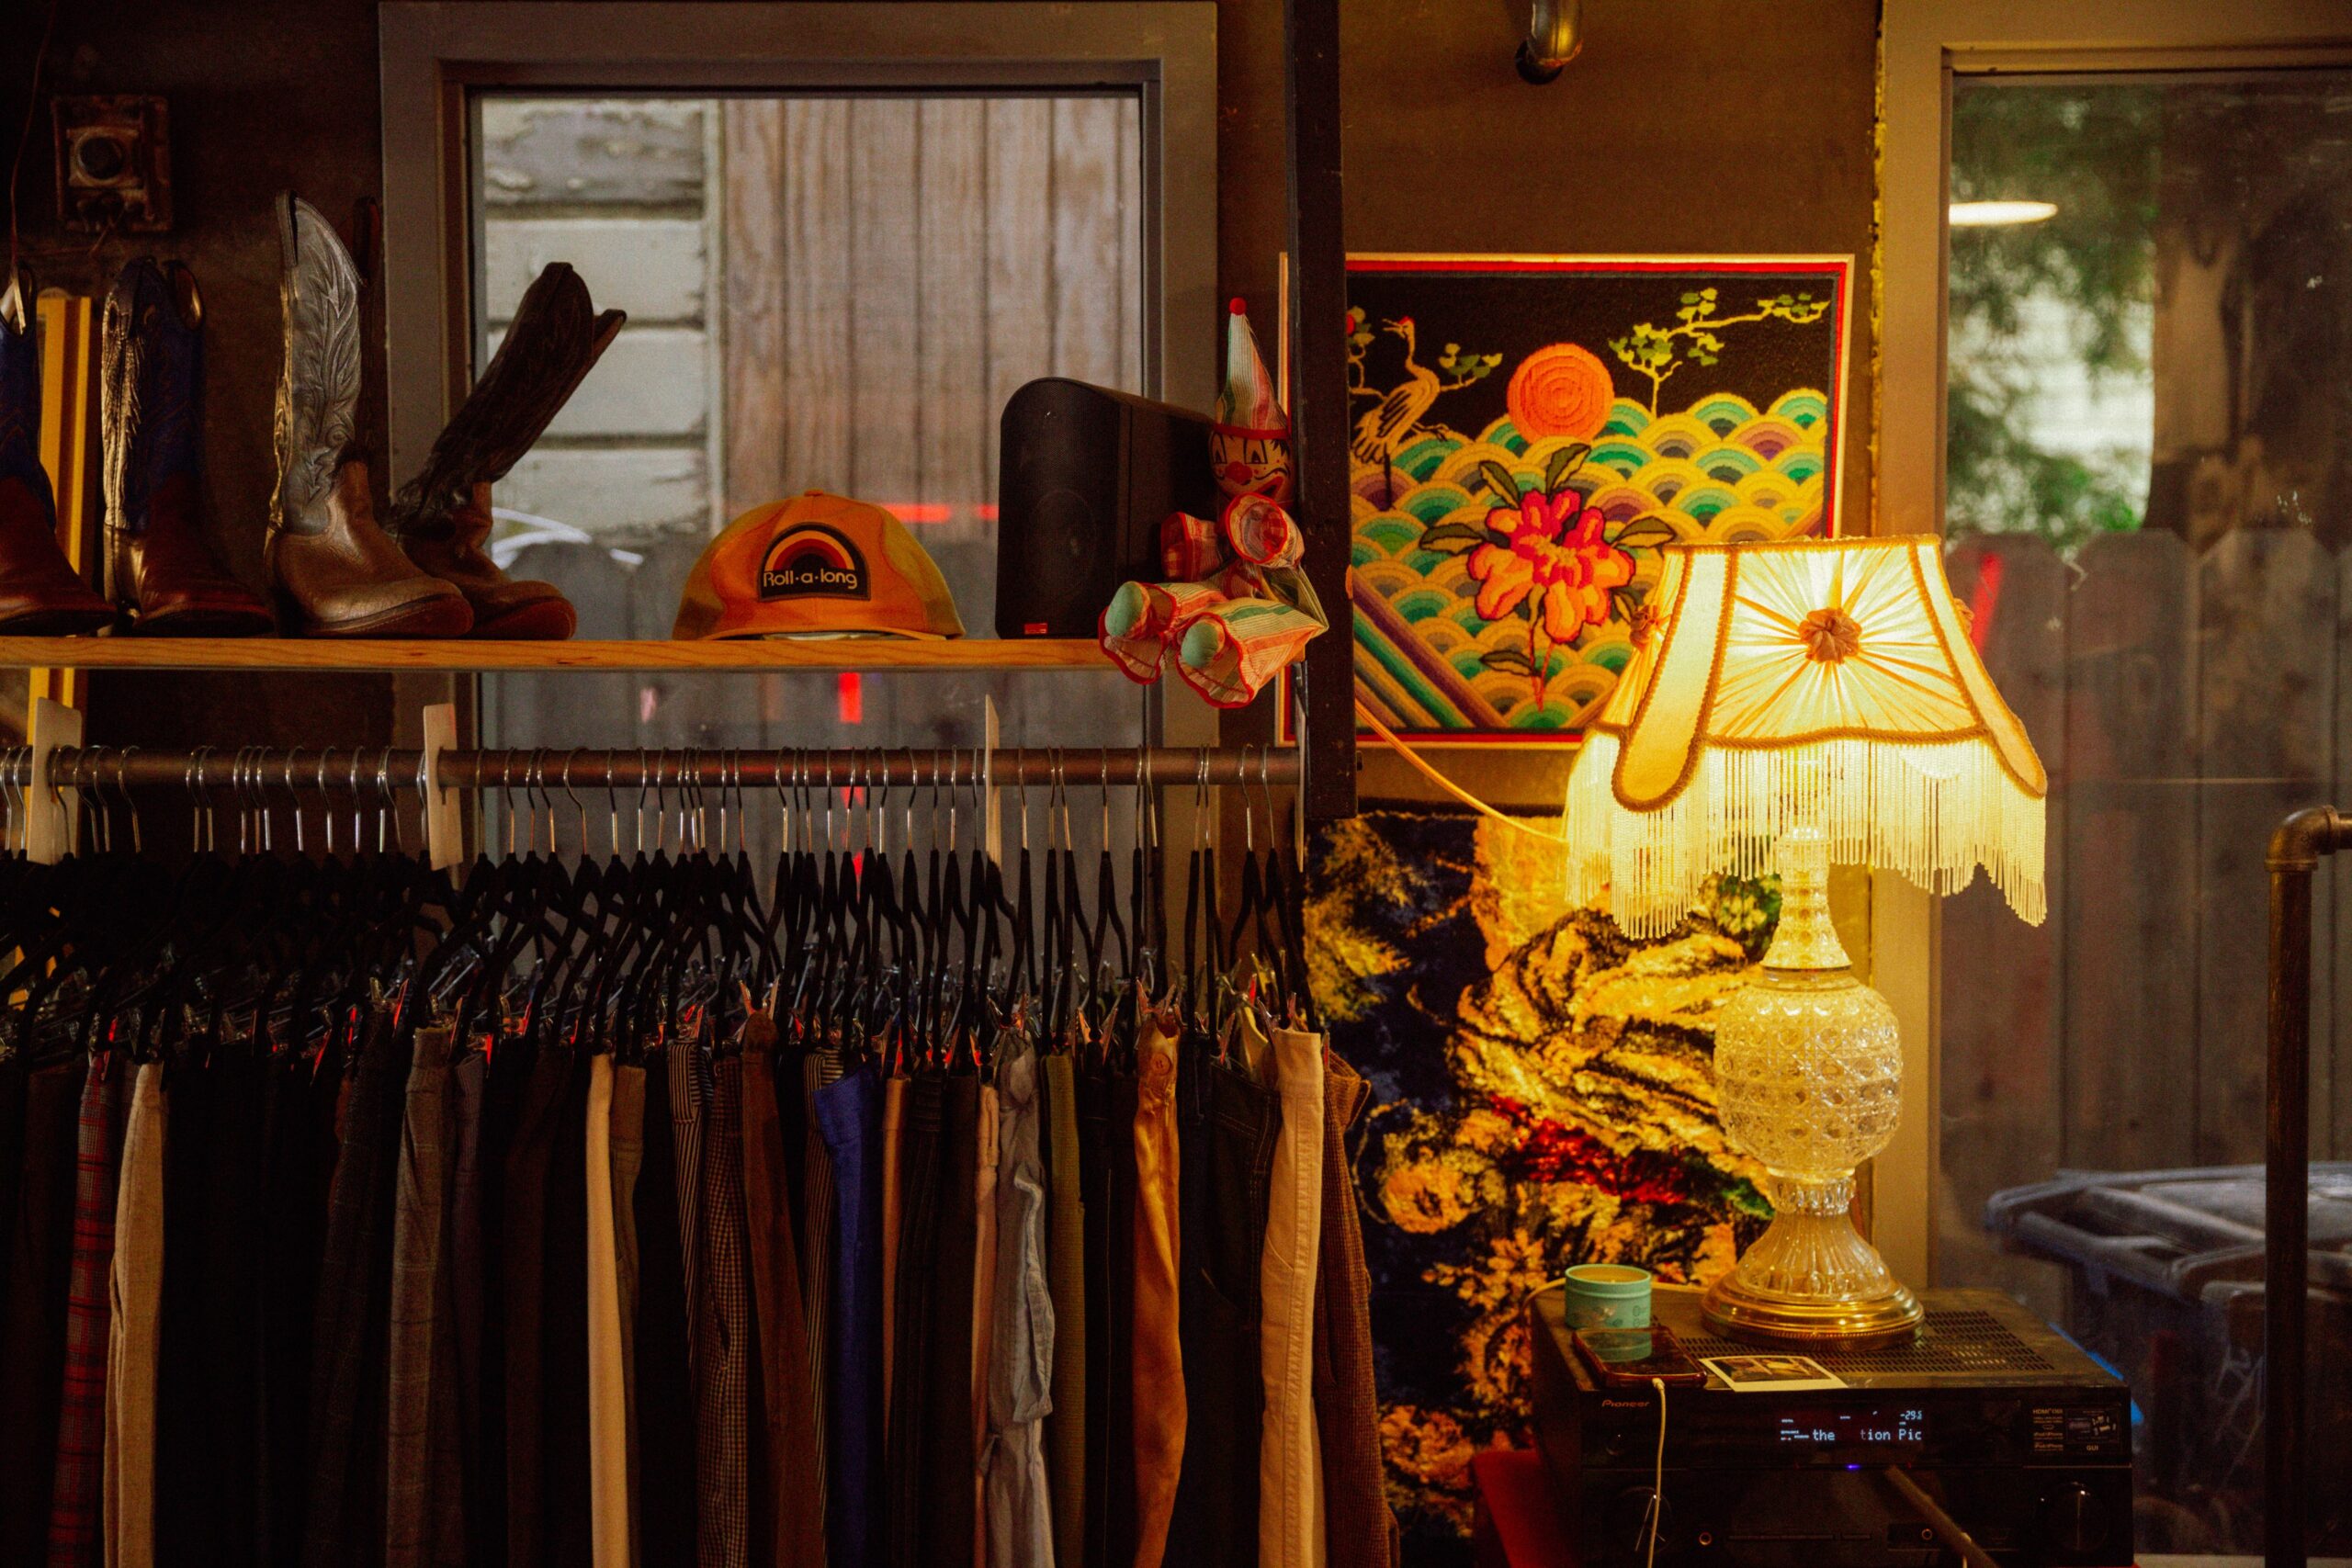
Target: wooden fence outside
point(891, 267)
point(2183, 703)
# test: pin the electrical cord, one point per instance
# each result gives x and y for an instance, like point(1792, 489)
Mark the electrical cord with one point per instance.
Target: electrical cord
point(16, 161)
point(1657, 1477)
point(1428, 770)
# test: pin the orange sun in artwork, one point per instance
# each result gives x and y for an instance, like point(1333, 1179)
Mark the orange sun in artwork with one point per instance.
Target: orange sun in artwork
point(1560, 390)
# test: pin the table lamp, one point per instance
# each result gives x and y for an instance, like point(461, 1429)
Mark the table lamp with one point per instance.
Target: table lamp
point(1789, 705)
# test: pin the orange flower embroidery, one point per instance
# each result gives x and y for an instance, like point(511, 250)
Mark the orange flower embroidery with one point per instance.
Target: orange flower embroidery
point(1556, 553)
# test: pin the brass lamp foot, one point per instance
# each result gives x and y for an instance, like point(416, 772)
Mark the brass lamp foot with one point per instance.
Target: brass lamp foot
point(1738, 1312)
point(1811, 1280)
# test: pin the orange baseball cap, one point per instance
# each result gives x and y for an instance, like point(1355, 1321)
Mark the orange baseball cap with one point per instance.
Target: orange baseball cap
point(816, 566)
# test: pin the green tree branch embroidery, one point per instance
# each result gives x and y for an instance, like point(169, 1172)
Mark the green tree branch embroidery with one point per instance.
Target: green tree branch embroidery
point(1386, 431)
point(1658, 351)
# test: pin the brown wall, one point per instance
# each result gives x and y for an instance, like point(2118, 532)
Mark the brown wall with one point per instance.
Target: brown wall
point(1684, 128)
point(265, 96)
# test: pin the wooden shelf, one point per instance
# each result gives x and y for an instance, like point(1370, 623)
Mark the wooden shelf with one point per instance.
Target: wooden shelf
point(462, 654)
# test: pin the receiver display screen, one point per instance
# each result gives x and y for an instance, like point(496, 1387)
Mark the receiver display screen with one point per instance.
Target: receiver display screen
point(1888, 1430)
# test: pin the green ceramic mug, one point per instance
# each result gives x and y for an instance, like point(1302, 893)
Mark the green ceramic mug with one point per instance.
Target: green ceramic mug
point(1608, 1295)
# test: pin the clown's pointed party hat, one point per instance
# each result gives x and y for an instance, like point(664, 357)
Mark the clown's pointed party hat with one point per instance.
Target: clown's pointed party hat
point(1249, 438)
point(1247, 401)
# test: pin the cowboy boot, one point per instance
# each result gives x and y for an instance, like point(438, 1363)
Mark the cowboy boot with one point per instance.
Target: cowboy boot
point(160, 572)
point(41, 593)
point(335, 571)
point(442, 517)
point(456, 549)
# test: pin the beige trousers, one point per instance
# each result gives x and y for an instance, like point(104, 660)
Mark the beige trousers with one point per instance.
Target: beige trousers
point(1159, 1409)
point(1290, 1469)
point(608, 1532)
point(136, 1287)
point(627, 1134)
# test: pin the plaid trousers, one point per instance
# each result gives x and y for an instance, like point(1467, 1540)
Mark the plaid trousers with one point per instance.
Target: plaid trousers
point(684, 1078)
point(722, 1382)
point(424, 1508)
point(819, 1069)
point(73, 1537)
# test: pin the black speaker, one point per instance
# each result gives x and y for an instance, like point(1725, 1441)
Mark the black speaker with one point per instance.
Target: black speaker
point(1084, 476)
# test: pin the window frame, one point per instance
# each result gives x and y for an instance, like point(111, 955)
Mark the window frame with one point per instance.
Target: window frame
point(1923, 45)
point(437, 56)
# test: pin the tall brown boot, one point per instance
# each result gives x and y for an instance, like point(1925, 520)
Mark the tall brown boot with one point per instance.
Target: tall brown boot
point(456, 549)
point(335, 571)
point(442, 517)
point(40, 595)
point(160, 570)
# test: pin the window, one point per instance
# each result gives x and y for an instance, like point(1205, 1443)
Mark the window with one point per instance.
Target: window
point(844, 234)
point(832, 292)
point(2149, 506)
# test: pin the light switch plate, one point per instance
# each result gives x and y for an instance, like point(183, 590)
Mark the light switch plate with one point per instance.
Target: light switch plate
point(114, 163)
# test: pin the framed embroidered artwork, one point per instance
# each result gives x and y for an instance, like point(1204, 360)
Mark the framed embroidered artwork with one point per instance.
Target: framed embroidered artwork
point(1527, 430)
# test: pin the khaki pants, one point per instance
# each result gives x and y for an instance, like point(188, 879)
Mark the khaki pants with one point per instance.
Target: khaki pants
point(1289, 1467)
point(608, 1398)
point(1159, 1408)
point(136, 1286)
point(627, 1135)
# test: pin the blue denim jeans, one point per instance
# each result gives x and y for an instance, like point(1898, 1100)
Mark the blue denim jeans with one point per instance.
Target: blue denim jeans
point(849, 1118)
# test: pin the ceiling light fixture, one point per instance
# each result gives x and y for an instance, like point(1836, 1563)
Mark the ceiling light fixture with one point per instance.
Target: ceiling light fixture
point(1998, 214)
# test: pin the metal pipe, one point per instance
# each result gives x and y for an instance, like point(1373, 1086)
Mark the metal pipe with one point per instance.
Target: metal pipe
point(104, 768)
point(2295, 849)
point(1554, 36)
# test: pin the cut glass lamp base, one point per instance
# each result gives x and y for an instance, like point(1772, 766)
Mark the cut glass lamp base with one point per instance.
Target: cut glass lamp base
point(1811, 1281)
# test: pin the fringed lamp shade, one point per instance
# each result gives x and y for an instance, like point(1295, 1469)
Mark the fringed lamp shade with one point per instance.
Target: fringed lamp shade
point(1826, 684)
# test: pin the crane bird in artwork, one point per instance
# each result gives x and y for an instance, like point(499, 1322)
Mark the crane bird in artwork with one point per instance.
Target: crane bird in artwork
point(1392, 427)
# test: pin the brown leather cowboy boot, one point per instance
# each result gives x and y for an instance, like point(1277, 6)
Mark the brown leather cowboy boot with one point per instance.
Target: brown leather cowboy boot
point(442, 517)
point(335, 571)
point(457, 550)
point(160, 571)
point(40, 595)
point(339, 574)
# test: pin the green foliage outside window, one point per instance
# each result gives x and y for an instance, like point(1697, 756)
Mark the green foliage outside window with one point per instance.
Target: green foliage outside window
point(2092, 151)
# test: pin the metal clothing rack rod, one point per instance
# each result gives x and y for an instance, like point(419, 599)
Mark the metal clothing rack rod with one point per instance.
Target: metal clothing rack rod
point(369, 769)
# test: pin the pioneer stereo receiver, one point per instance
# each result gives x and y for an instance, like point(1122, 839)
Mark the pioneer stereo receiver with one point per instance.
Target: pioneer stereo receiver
point(1990, 1416)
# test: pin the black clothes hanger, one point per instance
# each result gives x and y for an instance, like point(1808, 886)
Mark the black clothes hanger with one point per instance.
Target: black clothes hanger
point(1106, 883)
point(1022, 969)
point(896, 952)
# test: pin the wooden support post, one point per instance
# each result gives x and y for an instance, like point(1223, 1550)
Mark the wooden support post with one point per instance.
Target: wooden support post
point(1318, 410)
